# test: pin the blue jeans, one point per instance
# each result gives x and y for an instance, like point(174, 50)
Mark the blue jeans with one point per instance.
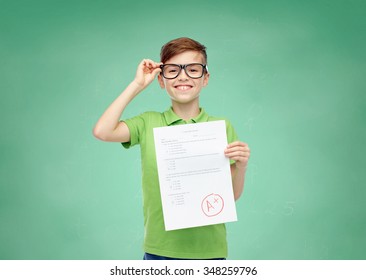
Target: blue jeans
point(148, 256)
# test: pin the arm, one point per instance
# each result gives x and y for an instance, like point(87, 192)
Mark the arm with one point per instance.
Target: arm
point(108, 127)
point(239, 152)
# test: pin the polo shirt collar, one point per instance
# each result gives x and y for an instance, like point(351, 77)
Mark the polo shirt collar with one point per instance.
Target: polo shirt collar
point(171, 117)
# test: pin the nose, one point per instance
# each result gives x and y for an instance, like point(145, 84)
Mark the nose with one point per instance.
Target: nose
point(183, 75)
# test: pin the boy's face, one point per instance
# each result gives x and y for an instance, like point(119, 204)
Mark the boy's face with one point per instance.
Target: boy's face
point(183, 89)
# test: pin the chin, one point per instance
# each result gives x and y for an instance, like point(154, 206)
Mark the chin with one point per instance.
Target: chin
point(184, 101)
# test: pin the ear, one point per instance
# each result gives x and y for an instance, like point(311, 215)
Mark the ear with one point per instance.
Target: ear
point(206, 77)
point(161, 81)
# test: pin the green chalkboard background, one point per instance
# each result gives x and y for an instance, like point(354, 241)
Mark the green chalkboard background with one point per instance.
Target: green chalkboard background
point(290, 75)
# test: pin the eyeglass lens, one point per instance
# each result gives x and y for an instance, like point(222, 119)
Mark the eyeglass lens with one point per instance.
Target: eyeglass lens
point(171, 71)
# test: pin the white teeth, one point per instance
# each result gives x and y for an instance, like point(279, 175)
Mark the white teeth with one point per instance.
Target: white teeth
point(183, 87)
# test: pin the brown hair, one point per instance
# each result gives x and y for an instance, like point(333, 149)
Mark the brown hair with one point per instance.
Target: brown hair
point(180, 45)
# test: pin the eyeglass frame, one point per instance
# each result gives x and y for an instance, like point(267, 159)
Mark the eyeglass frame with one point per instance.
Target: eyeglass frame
point(183, 66)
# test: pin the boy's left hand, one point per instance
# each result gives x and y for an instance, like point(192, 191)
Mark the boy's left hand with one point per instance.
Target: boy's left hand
point(239, 152)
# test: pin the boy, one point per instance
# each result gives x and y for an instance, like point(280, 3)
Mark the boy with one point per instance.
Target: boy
point(182, 72)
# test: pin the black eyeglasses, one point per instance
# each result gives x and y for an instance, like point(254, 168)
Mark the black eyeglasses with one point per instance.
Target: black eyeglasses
point(193, 70)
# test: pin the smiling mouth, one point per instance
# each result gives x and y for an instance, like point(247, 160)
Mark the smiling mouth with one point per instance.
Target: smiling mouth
point(183, 87)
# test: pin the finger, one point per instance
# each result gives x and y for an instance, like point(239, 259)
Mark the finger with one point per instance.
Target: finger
point(150, 67)
point(148, 63)
point(152, 63)
point(156, 71)
point(240, 159)
point(237, 143)
point(237, 148)
point(237, 154)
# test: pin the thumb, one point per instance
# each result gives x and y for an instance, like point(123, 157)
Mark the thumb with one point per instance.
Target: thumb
point(156, 71)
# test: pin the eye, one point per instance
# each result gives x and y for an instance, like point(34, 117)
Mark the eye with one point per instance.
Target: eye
point(194, 68)
point(171, 69)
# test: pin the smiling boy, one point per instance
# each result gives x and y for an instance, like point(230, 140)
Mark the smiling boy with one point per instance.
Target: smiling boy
point(183, 73)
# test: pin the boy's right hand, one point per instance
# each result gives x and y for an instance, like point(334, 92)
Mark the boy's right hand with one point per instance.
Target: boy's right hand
point(109, 127)
point(146, 72)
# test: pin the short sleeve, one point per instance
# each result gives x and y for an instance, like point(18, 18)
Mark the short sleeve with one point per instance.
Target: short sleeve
point(136, 126)
point(230, 132)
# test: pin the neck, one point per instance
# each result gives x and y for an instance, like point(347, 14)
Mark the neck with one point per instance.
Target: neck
point(186, 111)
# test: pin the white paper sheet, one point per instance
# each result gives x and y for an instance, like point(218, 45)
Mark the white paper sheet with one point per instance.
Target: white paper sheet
point(194, 175)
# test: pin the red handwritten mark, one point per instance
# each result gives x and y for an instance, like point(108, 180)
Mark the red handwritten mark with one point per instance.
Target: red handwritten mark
point(212, 205)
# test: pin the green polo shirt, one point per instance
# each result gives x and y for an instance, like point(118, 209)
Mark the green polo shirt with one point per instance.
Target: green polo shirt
point(193, 243)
